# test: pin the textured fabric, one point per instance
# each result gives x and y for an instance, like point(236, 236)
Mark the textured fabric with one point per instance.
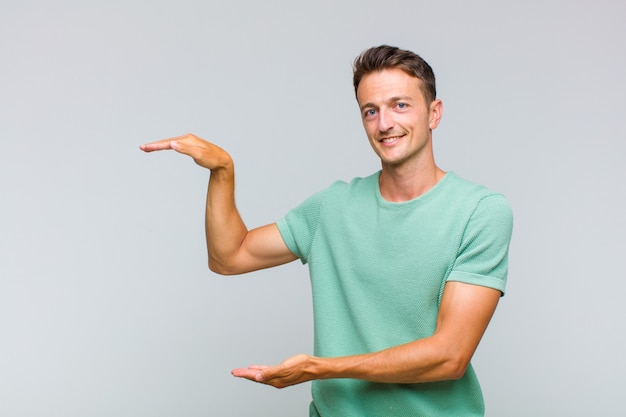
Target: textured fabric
point(377, 274)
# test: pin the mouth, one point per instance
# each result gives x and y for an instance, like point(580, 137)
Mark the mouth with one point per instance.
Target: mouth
point(390, 139)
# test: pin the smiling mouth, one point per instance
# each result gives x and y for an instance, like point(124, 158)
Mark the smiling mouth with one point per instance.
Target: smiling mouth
point(390, 139)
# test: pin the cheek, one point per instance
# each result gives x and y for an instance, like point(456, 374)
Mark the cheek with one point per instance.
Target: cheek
point(414, 122)
point(370, 129)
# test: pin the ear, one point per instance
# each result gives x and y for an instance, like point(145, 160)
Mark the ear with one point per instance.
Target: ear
point(435, 113)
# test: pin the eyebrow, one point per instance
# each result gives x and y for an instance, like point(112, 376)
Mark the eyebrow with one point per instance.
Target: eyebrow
point(390, 100)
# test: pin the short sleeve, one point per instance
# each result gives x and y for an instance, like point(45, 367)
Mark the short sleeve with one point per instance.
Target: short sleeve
point(299, 225)
point(482, 258)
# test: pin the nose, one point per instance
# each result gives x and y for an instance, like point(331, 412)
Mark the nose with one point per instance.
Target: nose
point(385, 120)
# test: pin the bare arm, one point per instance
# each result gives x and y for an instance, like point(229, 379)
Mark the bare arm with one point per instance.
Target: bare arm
point(232, 249)
point(464, 314)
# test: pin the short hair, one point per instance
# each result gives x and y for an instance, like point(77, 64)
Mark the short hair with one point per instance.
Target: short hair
point(385, 57)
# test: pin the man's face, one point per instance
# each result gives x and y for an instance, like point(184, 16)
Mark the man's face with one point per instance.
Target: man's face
point(396, 117)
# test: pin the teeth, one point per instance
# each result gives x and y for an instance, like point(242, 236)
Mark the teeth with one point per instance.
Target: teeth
point(387, 140)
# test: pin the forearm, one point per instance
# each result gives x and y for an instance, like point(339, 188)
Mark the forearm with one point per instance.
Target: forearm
point(225, 229)
point(424, 360)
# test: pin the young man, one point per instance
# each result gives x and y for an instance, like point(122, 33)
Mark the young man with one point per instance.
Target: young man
point(407, 265)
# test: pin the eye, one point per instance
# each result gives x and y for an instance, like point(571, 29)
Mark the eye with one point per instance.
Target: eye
point(401, 106)
point(370, 113)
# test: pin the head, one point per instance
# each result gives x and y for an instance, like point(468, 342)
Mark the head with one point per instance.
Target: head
point(386, 57)
point(395, 90)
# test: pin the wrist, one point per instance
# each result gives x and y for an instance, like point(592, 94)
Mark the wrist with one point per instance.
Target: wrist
point(327, 368)
point(225, 170)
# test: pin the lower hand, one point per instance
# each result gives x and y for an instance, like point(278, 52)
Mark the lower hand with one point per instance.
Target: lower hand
point(295, 370)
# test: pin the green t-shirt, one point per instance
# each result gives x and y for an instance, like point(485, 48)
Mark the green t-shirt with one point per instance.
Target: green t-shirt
point(377, 274)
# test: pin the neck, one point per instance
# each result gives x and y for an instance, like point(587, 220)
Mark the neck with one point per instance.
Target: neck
point(398, 185)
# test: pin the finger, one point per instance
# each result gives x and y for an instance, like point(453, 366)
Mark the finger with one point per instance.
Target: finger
point(169, 143)
point(157, 146)
point(247, 373)
point(258, 367)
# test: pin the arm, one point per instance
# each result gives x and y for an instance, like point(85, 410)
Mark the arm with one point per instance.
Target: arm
point(232, 249)
point(464, 314)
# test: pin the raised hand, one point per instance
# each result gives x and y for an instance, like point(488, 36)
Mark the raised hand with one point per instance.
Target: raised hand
point(204, 153)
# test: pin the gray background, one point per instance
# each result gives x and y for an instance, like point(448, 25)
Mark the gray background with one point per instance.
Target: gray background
point(106, 305)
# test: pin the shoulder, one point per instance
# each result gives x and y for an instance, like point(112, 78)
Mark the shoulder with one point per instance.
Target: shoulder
point(474, 205)
point(337, 194)
point(473, 193)
point(466, 187)
point(357, 182)
point(488, 210)
point(356, 186)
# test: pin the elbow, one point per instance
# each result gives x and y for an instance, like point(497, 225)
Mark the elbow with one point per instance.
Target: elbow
point(221, 268)
point(454, 368)
point(217, 269)
point(223, 263)
point(227, 266)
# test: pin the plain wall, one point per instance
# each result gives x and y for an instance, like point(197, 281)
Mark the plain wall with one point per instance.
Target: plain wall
point(107, 307)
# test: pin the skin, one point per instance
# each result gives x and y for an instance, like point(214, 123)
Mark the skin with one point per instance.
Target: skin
point(398, 122)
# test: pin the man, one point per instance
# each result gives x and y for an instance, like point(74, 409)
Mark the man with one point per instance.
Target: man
point(407, 265)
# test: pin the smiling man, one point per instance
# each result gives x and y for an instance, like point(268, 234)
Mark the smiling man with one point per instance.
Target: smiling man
point(407, 265)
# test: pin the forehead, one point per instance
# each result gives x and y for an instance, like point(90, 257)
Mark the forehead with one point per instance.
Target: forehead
point(381, 85)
